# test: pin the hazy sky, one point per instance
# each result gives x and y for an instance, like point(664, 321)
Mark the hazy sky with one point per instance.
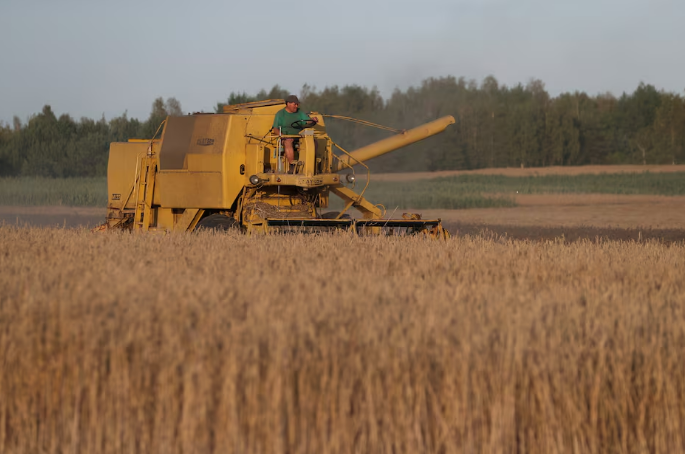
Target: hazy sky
point(92, 57)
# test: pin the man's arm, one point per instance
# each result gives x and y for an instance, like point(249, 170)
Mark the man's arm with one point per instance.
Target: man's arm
point(304, 116)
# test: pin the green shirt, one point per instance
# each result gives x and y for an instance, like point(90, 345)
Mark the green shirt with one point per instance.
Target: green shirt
point(284, 119)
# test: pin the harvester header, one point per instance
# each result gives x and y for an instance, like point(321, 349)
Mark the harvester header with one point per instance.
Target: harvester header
point(229, 170)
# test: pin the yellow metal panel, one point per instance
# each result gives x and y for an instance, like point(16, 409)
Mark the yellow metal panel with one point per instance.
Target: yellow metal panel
point(234, 157)
point(182, 189)
point(187, 220)
point(204, 162)
point(121, 171)
point(308, 154)
point(196, 134)
point(209, 134)
point(303, 181)
point(322, 150)
point(165, 218)
point(254, 160)
point(260, 122)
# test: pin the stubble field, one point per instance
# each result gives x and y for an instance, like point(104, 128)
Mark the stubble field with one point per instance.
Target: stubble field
point(208, 343)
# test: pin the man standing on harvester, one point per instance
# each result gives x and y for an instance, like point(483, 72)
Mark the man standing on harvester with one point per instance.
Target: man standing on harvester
point(283, 122)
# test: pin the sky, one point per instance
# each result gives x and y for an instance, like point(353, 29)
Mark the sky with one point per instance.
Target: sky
point(90, 58)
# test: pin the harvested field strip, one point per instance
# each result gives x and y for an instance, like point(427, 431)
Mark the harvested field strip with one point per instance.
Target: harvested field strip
point(219, 343)
point(569, 211)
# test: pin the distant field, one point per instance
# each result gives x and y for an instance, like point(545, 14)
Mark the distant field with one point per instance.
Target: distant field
point(426, 194)
point(52, 216)
point(50, 191)
point(461, 191)
point(530, 171)
point(495, 191)
point(646, 183)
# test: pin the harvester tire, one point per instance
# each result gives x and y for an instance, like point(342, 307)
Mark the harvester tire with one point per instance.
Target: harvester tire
point(217, 222)
point(334, 214)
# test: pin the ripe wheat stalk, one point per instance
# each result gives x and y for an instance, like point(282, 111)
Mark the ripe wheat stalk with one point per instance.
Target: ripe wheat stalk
point(121, 343)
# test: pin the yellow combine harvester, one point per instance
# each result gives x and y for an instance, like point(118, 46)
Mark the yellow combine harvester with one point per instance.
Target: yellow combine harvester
point(228, 170)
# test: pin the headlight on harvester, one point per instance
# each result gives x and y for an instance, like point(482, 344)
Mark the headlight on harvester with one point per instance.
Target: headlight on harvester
point(350, 178)
point(254, 179)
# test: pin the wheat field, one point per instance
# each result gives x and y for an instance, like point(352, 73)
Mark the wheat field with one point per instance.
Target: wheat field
point(205, 343)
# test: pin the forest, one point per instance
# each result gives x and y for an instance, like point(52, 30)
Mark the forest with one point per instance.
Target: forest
point(496, 126)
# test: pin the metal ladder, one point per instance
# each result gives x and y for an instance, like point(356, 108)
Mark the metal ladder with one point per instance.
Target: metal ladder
point(144, 193)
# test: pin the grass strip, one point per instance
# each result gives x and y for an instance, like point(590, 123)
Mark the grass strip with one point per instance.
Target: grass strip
point(37, 191)
point(646, 183)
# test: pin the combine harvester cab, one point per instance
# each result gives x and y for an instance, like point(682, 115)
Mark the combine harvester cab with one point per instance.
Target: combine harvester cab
point(228, 170)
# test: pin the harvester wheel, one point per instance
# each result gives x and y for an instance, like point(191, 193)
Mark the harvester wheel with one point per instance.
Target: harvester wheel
point(217, 222)
point(334, 214)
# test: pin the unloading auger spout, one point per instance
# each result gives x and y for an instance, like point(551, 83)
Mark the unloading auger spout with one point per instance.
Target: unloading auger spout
point(393, 143)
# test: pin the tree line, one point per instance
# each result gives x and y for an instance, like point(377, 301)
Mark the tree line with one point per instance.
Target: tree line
point(48, 146)
point(496, 126)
